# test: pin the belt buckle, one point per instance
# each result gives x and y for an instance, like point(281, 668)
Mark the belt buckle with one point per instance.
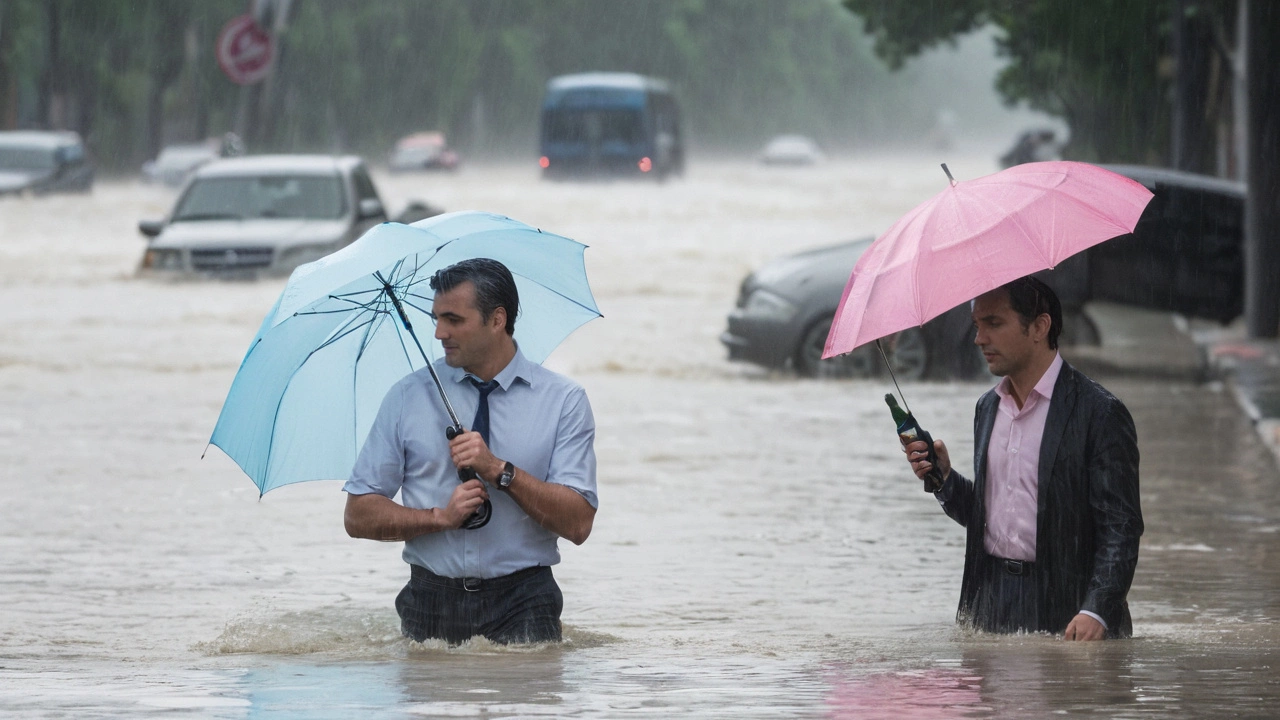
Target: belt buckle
point(1015, 567)
point(471, 584)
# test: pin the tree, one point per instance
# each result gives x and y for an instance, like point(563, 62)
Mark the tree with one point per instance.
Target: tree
point(1105, 67)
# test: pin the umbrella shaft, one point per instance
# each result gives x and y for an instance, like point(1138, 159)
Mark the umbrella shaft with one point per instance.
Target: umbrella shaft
point(453, 416)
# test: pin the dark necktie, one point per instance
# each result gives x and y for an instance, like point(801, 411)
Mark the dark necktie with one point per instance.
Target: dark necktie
point(481, 423)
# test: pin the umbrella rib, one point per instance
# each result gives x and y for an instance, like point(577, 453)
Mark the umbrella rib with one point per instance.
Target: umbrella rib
point(347, 331)
point(275, 418)
point(378, 314)
point(342, 298)
point(415, 307)
point(557, 292)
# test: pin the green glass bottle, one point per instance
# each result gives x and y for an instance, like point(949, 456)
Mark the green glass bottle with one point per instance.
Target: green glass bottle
point(909, 431)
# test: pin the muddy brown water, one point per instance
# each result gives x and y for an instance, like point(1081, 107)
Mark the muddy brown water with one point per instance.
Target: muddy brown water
point(760, 550)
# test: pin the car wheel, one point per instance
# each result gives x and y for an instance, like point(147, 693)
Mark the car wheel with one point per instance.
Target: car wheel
point(908, 353)
point(861, 363)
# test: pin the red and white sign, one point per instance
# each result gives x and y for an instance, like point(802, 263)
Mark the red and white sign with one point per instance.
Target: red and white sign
point(245, 50)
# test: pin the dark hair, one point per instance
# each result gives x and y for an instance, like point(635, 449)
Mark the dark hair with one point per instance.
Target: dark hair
point(495, 287)
point(1030, 297)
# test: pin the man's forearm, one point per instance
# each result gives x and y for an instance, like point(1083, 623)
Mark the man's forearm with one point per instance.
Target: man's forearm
point(555, 507)
point(375, 517)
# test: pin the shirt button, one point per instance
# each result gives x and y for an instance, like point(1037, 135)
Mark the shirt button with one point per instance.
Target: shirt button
point(1014, 451)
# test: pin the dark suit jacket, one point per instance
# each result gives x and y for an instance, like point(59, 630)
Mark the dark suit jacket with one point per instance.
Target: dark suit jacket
point(1088, 518)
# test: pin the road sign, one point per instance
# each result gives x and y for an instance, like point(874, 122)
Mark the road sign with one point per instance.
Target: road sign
point(245, 50)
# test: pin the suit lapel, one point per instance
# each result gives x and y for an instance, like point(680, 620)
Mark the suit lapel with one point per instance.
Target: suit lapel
point(986, 421)
point(1061, 407)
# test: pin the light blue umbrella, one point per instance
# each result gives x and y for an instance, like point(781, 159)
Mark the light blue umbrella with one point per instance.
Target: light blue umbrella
point(335, 341)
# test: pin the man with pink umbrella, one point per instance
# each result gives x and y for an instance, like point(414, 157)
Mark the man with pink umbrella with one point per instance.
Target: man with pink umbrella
point(1052, 512)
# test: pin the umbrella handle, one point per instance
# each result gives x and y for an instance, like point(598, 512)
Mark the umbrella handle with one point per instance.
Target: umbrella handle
point(481, 516)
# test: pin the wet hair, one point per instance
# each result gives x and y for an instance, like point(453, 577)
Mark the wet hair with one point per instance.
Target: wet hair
point(495, 286)
point(1030, 297)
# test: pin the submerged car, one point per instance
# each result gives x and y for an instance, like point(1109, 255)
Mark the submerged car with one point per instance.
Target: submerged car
point(784, 312)
point(791, 150)
point(176, 163)
point(264, 215)
point(43, 162)
point(422, 151)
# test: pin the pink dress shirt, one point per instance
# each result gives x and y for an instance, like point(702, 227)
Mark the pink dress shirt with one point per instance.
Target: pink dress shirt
point(1013, 466)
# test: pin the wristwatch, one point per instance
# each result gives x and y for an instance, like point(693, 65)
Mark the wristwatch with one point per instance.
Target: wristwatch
point(508, 474)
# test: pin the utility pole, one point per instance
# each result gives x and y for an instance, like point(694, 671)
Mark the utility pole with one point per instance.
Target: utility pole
point(1262, 202)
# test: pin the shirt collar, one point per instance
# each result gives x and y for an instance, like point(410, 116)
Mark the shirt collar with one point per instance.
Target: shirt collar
point(1043, 387)
point(519, 368)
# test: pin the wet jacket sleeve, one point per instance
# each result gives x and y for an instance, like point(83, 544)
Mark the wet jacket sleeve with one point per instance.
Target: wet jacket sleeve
point(956, 497)
point(1113, 500)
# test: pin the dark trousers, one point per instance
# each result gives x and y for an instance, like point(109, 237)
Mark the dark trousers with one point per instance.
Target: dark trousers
point(1009, 600)
point(523, 607)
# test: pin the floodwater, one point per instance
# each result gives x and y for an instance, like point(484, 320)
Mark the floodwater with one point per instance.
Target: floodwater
point(760, 550)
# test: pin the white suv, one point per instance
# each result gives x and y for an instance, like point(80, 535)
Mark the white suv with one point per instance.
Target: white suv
point(266, 214)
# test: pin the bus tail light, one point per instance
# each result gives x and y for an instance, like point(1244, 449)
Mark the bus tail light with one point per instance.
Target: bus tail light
point(645, 164)
point(544, 162)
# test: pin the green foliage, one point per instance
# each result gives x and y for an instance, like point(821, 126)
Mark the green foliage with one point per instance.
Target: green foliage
point(1096, 63)
point(131, 75)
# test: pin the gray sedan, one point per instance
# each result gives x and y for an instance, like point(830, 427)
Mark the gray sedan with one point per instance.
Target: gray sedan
point(784, 312)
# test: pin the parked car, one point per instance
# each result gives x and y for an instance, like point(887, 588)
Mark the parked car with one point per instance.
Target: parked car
point(1185, 255)
point(176, 163)
point(422, 151)
point(791, 150)
point(784, 312)
point(43, 161)
point(265, 214)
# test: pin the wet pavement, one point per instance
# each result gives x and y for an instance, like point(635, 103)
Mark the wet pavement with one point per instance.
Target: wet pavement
point(1157, 345)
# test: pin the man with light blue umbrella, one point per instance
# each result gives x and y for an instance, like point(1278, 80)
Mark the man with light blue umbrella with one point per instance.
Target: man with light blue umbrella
point(531, 445)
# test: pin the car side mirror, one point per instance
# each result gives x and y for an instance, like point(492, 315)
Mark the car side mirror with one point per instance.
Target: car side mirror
point(371, 207)
point(150, 228)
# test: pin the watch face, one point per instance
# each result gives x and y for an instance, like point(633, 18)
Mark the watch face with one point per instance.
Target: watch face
point(508, 474)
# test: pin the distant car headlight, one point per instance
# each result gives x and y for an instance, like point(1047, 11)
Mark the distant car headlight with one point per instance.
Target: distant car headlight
point(772, 306)
point(162, 259)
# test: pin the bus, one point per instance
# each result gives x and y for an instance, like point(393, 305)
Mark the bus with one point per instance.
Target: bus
point(614, 124)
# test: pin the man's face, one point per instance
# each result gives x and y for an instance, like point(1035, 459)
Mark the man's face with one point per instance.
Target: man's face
point(468, 340)
point(1007, 346)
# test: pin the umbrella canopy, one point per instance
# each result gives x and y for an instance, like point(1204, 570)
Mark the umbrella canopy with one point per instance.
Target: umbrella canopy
point(307, 391)
point(977, 235)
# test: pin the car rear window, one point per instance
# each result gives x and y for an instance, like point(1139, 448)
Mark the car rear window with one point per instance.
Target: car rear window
point(309, 197)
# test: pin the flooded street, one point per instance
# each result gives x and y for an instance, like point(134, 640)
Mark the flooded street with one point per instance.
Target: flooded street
point(761, 549)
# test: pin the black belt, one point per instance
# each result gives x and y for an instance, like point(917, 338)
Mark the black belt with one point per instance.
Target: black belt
point(1014, 567)
point(419, 574)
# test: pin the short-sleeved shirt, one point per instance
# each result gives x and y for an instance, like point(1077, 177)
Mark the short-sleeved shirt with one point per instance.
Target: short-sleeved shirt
point(538, 420)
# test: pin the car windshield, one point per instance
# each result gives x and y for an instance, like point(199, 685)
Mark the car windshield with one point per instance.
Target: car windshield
point(17, 157)
point(310, 197)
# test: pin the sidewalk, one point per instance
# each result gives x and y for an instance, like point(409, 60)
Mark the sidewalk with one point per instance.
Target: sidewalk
point(1163, 345)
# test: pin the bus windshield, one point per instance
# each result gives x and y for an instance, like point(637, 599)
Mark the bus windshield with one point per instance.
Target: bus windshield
point(593, 125)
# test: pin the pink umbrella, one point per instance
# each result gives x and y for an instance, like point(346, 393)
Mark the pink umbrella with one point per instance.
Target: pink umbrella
point(975, 236)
